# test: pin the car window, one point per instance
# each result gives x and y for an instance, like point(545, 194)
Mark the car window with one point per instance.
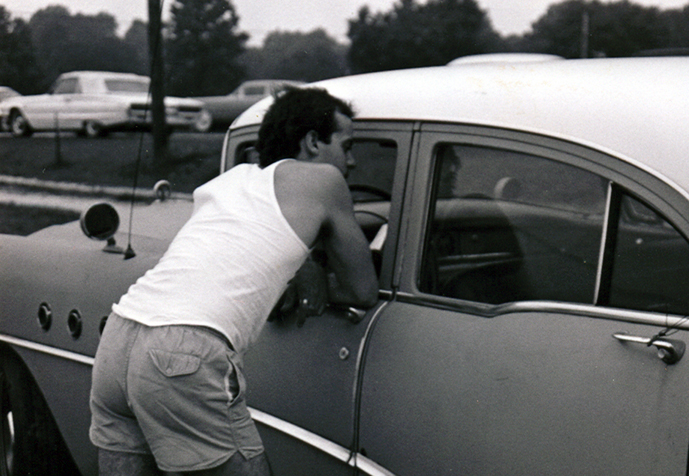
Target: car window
point(370, 180)
point(255, 91)
point(507, 226)
point(126, 86)
point(650, 269)
point(67, 86)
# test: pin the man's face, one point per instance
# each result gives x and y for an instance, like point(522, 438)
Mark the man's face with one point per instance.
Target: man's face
point(338, 151)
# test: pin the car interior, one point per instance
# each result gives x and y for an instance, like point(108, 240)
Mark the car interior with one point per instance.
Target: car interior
point(508, 226)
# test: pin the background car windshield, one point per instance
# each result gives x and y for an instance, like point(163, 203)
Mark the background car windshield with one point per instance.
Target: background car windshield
point(127, 86)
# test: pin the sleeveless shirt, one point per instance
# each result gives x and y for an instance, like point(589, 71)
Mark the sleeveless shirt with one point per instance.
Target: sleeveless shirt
point(228, 265)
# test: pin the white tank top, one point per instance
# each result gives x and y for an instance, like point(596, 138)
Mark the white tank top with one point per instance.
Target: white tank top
point(228, 265)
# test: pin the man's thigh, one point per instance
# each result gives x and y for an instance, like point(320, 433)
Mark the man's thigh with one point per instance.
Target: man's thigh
point(118, 463)
point(237, 465)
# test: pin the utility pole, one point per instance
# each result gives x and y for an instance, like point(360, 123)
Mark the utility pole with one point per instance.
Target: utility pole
point(585, 30)
point(155, 48)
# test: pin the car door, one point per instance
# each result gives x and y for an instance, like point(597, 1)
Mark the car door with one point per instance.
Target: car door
point(540, 318)
point(301, 379)
point(55, 110)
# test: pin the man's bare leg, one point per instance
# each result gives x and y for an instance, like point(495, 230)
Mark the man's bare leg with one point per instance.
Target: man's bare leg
point(237, 465)
point(117, 463)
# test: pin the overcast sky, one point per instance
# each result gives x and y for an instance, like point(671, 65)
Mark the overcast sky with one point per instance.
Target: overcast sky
point(259, 17)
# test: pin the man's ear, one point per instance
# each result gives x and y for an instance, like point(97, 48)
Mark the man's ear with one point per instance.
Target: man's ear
point(309, 143)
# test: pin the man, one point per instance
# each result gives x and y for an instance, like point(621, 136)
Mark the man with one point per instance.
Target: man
point(168, 388)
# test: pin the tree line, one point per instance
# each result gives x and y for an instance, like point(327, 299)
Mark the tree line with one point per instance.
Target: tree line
point(206, 53)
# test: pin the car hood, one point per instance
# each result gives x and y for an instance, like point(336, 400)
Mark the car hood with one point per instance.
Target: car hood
point(158, 221)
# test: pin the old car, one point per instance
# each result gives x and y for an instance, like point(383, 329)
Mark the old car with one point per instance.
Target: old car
point(224, 109)
point(530, 226)
point(96, 102)
point(7, 92)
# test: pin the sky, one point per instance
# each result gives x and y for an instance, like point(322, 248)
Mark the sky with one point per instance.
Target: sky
point(260, 17)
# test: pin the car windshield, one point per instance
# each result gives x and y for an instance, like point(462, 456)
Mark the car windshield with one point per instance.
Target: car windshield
point(127, 85)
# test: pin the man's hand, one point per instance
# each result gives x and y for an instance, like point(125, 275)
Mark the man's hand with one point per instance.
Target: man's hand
point(306, 294)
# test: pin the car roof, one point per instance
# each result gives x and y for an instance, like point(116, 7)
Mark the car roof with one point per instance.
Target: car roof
point(270, 82)
point(634, 108)
point(102, 74)
point(504, 57)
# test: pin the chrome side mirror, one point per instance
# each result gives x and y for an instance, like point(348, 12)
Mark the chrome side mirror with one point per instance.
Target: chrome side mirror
point(100, 222)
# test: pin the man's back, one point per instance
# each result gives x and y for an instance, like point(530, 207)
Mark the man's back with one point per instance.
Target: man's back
point(228, 264)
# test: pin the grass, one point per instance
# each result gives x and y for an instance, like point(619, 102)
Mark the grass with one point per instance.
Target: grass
point(21, 220)
point(112, 161)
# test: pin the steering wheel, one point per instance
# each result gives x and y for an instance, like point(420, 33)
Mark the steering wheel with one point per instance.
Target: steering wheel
point(364, 188)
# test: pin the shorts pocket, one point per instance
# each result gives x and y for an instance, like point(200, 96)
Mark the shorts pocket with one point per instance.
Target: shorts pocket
point(235, 382)
point(174, 364)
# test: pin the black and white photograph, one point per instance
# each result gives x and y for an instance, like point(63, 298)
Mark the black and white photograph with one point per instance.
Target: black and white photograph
point(344, 238)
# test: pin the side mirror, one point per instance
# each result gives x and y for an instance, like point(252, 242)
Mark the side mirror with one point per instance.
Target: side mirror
point(100, 222)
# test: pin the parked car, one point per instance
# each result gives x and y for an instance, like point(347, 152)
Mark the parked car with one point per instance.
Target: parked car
point(95, 102)
point(530, 224)
point(504, 58)
point(224, 109)
point(7, 92)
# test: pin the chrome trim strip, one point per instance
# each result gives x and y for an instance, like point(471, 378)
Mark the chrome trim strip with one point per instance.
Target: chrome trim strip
point(584, 310)
point(326, 446)
point(45, 349)
point(362, 345)
point(587, 310)
point(603, 241)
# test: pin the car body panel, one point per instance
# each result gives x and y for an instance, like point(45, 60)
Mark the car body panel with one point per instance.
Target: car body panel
point(101, 97)
point(34, 272)
point(524, 387)
point(518, 394)
point(7, 92)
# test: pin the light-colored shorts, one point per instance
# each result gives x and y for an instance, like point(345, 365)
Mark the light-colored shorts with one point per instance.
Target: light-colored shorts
point(176, 392)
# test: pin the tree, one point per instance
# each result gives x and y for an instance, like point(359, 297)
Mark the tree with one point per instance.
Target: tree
point(18, 66)
point(414, 35)
point(299, 56)
point(136, 39)
point(678, 22)
point(614, 29)
point(203, 48)
point(81, 42)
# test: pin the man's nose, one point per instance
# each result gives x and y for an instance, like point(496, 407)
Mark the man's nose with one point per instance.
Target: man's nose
point(351, 161)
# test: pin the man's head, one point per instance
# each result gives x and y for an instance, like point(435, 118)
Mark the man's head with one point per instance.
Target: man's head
point(302, 123)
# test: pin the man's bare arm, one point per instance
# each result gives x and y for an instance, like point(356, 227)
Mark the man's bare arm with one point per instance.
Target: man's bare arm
point(349, 256)
point(315, 200)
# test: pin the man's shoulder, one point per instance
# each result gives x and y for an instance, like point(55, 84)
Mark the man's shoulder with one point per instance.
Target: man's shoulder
point(306, 167)
point(309, 175)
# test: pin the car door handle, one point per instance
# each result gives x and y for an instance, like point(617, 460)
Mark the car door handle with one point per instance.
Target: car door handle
point(670, 351)
point(349, 313)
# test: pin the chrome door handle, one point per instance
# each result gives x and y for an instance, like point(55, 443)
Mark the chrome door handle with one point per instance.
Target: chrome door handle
point(348, 313)
point(355, 315)
point(670, 351)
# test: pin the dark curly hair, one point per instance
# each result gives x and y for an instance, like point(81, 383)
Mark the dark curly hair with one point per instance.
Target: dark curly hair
point(295, 112)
